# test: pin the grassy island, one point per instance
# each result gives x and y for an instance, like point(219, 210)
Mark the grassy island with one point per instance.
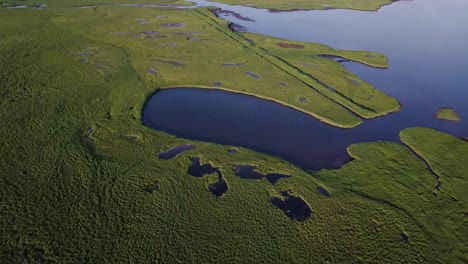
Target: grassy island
point(448, 114)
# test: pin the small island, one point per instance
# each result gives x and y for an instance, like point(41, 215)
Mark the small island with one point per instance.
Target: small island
point(446, 113)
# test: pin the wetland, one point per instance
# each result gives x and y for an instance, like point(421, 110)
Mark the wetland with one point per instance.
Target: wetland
point(309, 143)
point(159, 130)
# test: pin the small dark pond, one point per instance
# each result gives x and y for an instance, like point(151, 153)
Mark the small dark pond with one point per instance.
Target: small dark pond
point(323, 191)
point(293, 206)
point(173, 25)
point(171, 153)
point(89, 131)
point(233, 64)
point(405, 237)
point(253, 75)
point(248, 172)
point(197, 169)
point(153, 187)
point(218, 188)
point(174, 63)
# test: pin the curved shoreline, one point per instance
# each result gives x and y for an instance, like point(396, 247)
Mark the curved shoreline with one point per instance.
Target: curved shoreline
point(312, 114)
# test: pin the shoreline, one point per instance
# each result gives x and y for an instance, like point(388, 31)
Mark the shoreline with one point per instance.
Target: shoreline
point(309, 113)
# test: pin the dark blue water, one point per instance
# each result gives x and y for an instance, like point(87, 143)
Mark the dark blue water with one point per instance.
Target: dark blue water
point(425, 41)
point(242, 120)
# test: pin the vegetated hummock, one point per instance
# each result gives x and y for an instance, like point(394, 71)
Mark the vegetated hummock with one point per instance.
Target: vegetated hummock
point(284, 5)
point(448, 114)
point(74, 194)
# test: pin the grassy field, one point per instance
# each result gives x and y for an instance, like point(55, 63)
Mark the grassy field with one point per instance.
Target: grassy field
point(76, 158)
point(369, 5)
point(448, 114)
point(79, 3)
point(193, 48)
point(329, 77)
point(393, 175)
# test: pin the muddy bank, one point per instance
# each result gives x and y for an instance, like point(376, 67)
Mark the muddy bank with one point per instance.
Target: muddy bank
point(223, 12)
point(290, 45)
point(237, 28)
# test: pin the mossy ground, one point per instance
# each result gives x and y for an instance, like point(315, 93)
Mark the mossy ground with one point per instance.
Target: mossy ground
point(69, 198)
point(448, 114)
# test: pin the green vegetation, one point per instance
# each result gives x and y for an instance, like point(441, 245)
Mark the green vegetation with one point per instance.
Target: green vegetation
point(447, 156)
point(370, 5)
point(74, 194)
point(79, 3)
point(390, 174)
point(203, 44)
point(448, 114)
point(330, 78)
